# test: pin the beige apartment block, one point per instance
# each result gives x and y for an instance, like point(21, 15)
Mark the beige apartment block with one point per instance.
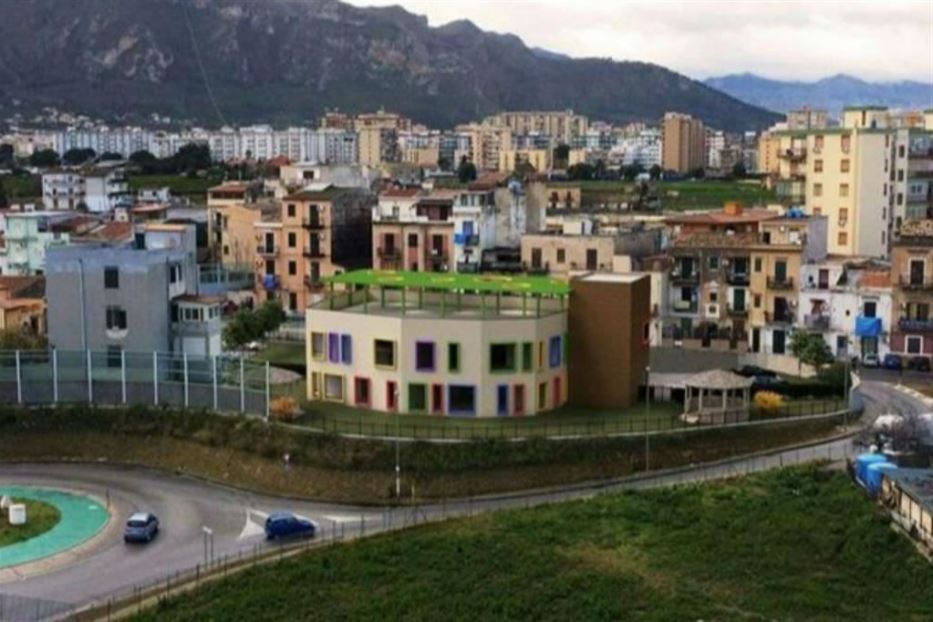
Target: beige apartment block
point(562, 125)
point(486, 142)
point(769, 145)
point(683, 147)
point(559, 255)
point(511, 159)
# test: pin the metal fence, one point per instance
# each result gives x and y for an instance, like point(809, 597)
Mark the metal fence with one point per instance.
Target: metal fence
point(221, 383)
point(24, 609)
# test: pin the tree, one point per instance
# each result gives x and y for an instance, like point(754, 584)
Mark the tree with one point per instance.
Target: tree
point(443, 163)
point(561, 156)
point(655, 171)
point(248, 325)
point(580, 172)
point(74, 157)
point(13, 339)
point(630, 172)
point(811, 349)
point(110, 156)
point(524, 169)
point(698, 173)
point(466, 172)
point(191, 158)
point(7, 155)
point(44, 158)
point(143, 158)
point(738, 171)
point(599, 169)
point(270, 316)
point(3, 200)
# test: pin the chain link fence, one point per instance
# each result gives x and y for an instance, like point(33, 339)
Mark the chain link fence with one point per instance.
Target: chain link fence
point(24, 609)
point(220, 383)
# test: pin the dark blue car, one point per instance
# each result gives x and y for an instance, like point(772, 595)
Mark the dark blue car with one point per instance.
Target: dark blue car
point(287, 525)
point(892, 361)
point(141, 527)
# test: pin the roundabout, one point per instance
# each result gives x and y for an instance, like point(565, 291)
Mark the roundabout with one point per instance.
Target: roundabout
point(80, 518)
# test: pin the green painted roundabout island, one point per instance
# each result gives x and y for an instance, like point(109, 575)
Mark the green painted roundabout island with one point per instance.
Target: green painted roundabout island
point(56, 521)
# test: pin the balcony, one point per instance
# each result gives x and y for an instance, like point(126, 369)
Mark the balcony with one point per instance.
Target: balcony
point(908, 325)
point(795, 154)
point(684, 306)
point(909, 283)
point(816, 322)
point(313, 282)
point(266, 251)
point(270, 282)
point(685, 278)
point(312, 223)
point(736, 278)
point(468, 267)
point(313, 252)
point(389, 254)
point(466, 240)
point(778, 318)
point(737, 311)
point(780, 284)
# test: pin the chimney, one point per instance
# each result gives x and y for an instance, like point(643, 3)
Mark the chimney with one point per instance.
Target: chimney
point(732, 208)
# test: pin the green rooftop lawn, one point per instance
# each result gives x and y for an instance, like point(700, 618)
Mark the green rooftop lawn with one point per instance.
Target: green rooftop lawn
point(40, 517)
point(683, 195)
point(485, 283)
point(194, 188)
point(795, 544)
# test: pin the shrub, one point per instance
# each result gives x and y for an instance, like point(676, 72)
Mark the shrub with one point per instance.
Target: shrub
point(768, 401)
point(284, 409)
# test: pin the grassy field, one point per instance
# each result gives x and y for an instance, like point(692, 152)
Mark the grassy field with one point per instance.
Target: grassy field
point(681, 195)
point(194, 188)
point(796, 544)
point(283, 353)
point(40, 518)
point(20, 187)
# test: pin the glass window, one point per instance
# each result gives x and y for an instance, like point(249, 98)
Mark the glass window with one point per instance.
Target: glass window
point(346, 349)
point(361, 393)
point(843, 238)
point(561, 256)
point(501, 357)
point(317, 346)
point(384, 353)
point(333, 387)
point(844, 165)
point(757, 264)
point(417, 398)
point(116, 318)
point(527, 354)
point(333, 347)
point(292, 239)
point(461, 399)
point(714, 262)
point(292, 268)
point(424, 356)
point(914, 344)
point(554, 351)
point(412, 240)
point(453, 357)
point(111, 277)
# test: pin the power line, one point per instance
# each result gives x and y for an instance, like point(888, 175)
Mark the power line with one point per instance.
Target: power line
point(197, 56)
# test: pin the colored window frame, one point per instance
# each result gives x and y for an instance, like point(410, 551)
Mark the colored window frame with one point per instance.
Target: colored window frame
point(512, 361)
point(554, 351)
point(359, 382)
point(452, 408)
point(346, 349)
point(318, 346)
point(421, 391)
point(333, 347)
point(376, 344)
point(528, 356)
point(425, 347)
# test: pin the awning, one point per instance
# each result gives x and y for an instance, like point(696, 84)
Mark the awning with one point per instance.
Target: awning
point(868, 326)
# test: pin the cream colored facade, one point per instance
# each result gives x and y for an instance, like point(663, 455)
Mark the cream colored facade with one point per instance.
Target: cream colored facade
point(562, 125)
point(510, 159)
point(563, 254)
point(768, 147)
point(342, 366)
point(683, 147)
point(486, 142)
point(424, 156)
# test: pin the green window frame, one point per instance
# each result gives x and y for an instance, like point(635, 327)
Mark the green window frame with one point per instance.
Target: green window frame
point(453, 356)
point(417, 397)
point(511, 361)
point(528, 356)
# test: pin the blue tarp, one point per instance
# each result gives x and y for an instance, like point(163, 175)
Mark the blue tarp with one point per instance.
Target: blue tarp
point(868, 326)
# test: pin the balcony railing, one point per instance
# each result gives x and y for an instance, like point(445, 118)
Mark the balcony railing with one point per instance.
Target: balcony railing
point(468, 267)
point(313, 282)
point(794, 154)
point(539, 269)
point(314, 252)
point(392, 254)
point(267, 251)
point(466, 240)
point(737, 278)
point(780, 283)
point(908, 325)
point(737, 311)
point(685, 277)
point(778, 318)
point(312, 223)
point(684, 306)
point(816, 322)
point(919, 284)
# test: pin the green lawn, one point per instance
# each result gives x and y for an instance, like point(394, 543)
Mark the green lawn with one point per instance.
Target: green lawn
point(682, 195)
point(40, 517)
point(283, 353)
point(194, 188)
point(796, 544)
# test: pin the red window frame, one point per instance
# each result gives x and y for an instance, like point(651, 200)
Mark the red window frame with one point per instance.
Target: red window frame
point(391, 403)
point(555, 394)
point(518, 399)
point(437, 399)
point(357, 382)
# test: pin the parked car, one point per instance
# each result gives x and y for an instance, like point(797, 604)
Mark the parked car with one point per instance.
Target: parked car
point(287, 525)
point(870, 360)
point(892, 361)
point(919, 363)
point(141, 527)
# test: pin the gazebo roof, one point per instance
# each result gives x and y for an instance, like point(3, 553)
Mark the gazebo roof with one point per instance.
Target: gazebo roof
point(718, 380)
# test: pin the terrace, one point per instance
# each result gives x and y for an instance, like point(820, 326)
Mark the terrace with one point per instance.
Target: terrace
point(444, 295)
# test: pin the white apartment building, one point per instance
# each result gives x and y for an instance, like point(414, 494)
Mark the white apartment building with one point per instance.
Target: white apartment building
point(124, 141)
point(62, 190)
point(642, 148)
point(98, 191)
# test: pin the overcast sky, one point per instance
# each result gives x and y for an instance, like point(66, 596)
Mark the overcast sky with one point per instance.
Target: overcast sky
point(787, 39)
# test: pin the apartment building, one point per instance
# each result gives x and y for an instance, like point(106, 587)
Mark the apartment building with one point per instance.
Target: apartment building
point(911, 174)
point(683, 142)
point(807, 118)
point(97, 190)
point(912, 284)
point(560, 254)
point(29, 235)
point(486, 142)
point(848, 301)
point(233, 208)
point(562, 126)
point(138, 297)
point(63, 190)
point(322, 231)
point(459, 345)
point(511, 159)
point(769, 147)
point(784, 245)
point(413, 230)
point(378, 134)
point(22, 304)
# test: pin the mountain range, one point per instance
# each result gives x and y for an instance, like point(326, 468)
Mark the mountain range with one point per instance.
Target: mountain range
point(286, 61)
point(832, 94)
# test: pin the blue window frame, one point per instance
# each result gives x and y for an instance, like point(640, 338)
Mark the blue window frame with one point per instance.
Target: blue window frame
point(554, 351)
point(461, 399)
point(502, 400)
point(346, 349)
point(333, 347)
point(467, 227)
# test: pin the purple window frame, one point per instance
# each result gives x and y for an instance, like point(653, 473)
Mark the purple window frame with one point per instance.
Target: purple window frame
point(333, 347)
point(433, 355)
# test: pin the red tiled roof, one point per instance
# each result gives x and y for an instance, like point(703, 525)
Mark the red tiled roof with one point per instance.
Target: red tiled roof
point(721, 218)
point(112, 232)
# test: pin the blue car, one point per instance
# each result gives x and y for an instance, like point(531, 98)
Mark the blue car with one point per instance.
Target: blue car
point(141, 527)
point(287, 525)
point(892, 361)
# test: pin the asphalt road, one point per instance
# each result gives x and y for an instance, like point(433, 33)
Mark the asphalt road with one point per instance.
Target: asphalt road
point(185, 505)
